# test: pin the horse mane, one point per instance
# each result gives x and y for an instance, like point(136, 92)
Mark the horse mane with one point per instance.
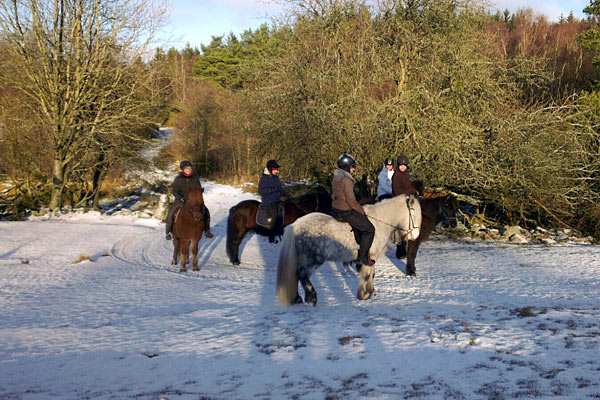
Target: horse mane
point(385, 207)
point(194, 195)
point(312, 201)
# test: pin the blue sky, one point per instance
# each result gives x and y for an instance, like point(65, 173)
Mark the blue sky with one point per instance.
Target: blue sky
point(195, 21)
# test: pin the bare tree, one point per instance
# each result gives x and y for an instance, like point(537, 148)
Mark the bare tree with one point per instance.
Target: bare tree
point(76, 59)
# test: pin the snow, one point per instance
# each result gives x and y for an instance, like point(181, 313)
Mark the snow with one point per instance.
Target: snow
point(480, 320)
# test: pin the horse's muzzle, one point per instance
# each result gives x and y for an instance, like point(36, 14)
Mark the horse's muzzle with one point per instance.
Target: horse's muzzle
point(198, 217)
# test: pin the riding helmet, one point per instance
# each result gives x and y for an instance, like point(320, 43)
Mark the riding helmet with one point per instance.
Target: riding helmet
point(388, 161)
point(345, 162)
point(272, 164)
point(185, 164)
point(402, 160)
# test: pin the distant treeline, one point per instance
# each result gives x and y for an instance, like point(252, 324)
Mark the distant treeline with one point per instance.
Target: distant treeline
point(500, 106)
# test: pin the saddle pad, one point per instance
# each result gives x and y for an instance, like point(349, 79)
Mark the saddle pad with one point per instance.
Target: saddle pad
point(266, 215)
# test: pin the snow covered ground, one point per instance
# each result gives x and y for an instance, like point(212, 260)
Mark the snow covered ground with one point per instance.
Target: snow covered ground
point(480, 321)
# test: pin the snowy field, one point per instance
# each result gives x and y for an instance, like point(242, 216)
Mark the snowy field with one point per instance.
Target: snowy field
point(480, 320)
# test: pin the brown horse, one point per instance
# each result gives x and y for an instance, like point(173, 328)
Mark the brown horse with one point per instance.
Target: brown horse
point(433, 210)
point(188, 227)
point(242, 218)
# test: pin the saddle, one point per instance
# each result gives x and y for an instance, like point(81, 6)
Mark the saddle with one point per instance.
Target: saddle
point(267, 215)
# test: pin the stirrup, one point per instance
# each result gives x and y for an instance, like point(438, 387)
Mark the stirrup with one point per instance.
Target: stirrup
point(208, 234)
point(169, 236)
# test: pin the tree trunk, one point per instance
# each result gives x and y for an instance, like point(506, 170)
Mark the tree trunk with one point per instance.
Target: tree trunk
point(58, 184)
point(97, 180)
point(205, 145)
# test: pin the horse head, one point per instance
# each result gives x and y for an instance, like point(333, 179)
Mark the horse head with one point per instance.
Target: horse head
point(447, 210)
point(194, 201)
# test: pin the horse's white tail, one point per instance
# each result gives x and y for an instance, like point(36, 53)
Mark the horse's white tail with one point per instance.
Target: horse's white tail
point(287, 280)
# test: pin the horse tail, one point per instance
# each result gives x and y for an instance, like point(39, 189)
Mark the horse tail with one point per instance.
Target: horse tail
point(230, 234)
point(287, 280)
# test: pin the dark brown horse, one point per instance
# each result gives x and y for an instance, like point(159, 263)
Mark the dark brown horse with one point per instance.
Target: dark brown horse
point(433, 210)
point(188, 227)
point(242, 218)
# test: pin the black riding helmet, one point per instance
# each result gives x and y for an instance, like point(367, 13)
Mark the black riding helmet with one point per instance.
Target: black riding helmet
point(345, 162)
point(184, 164)
point(272, 164)
point(388, 161)
point(402, 160)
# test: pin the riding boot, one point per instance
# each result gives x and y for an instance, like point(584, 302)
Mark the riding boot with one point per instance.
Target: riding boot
point(207, 231)
point(366, 240)
point(169, 222)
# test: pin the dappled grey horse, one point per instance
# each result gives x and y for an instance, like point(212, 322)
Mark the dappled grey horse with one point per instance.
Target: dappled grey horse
point(316, 238)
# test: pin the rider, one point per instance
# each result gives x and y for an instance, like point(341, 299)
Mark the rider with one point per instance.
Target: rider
point(271, 191)
point(401, 183)
point(384, 188)
point(184, 181)
point(345, 207)
point(269, 186)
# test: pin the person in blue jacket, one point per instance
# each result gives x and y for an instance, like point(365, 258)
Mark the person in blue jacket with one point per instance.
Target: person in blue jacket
point(384, 188)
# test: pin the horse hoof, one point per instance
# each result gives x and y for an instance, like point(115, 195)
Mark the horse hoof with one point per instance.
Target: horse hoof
point(297, 300)
point(195, 269)
point(311, 300)
point(182, 270)
point(236, 262)
point(363, 295)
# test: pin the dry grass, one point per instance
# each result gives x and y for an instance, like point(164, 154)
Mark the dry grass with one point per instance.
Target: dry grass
point(81, 258)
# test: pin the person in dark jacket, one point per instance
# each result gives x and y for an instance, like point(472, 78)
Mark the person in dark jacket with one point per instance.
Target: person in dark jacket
point(344, 207)
point(183, 182)
point(401, 183)
point(271, 191)
point(269, 186)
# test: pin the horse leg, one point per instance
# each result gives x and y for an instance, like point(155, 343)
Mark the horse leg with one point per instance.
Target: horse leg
point(401, 250)
point(363, 279)
point(175, 251)
point(185, 248)
point(235, 236)
point(310, 294)
point(370, 287)
point(411, 254)
point(195, 254)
